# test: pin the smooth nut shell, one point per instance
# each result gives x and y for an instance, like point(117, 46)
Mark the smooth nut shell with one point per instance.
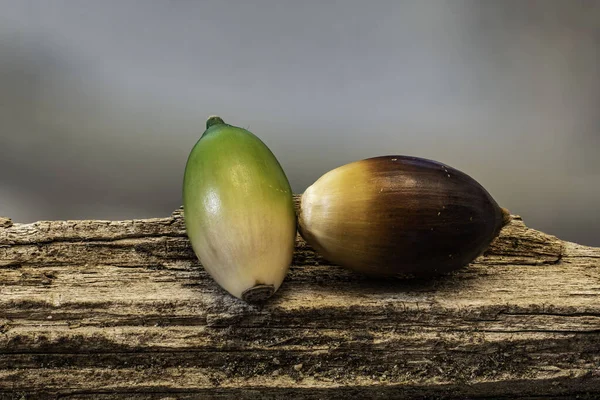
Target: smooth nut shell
point(398, 215)
point(239, 211)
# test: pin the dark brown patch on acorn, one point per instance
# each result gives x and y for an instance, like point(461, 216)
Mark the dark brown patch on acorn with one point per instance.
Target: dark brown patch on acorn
point(424, 218)
point(258, 293)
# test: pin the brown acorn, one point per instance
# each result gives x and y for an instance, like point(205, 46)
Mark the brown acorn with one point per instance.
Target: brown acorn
point(399, 215)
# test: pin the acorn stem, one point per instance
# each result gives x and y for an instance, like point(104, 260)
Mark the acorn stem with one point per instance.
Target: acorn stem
point(214, 120)
point(258, 293)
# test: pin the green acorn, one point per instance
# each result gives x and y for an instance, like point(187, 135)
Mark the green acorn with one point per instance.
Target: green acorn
point(239, 211)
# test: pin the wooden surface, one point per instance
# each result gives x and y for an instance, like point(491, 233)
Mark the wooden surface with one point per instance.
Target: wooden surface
point(122, 309)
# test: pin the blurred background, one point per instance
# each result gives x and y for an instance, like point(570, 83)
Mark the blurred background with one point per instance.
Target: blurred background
point(101, 101)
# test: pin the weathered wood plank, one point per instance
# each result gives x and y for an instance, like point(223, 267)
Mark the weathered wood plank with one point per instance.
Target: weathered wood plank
point(107, 309)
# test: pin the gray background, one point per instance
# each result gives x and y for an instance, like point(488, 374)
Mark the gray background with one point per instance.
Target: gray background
point(101, 101)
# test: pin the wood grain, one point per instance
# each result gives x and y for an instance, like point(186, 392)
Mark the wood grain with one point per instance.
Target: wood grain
point(122, 309)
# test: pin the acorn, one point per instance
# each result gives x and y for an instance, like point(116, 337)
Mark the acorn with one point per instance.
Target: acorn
point(399, 216)
point(239, 211)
